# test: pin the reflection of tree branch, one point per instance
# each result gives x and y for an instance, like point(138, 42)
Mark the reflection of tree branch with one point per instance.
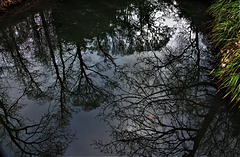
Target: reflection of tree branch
point(82, 66)
point(206, 123)
point(62, 61)
point(20, 60)
point(154, 115)
point(51, 48)
point(36, 139)
point(105, 53)
point(62, 105)
point(173, 57)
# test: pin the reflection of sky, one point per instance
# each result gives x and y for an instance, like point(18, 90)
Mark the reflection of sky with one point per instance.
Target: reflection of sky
point(87, 128)
point(85, 125)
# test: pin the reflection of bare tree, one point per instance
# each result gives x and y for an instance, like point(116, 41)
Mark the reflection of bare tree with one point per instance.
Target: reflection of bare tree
point(69, 66)
point(47, 137)
point(222, 135)
point(137, 26)
point(142, 27)
point(168, 107)
point(74, 75)
point(65, 79)
point(165, 104)
point(65, 84)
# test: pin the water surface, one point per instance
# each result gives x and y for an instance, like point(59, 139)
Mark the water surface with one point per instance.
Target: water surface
point(131, 78)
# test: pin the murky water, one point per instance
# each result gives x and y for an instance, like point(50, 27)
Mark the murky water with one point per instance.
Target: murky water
point(131, 78)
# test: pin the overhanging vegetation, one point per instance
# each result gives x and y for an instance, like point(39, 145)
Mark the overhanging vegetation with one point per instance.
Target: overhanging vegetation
point(225, 36)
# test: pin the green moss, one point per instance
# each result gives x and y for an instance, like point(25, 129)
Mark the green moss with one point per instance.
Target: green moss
point(225, 35)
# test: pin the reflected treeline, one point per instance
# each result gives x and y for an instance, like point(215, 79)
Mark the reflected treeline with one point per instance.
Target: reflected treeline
point(122, 28)
point(64, 59)
point(195, 12)
point(168, 105)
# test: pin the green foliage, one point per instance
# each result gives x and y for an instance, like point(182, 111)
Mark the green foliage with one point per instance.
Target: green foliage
point(226, 36)
point(226, 23)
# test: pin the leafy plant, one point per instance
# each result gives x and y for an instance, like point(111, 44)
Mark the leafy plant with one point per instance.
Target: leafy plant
point(225, 35)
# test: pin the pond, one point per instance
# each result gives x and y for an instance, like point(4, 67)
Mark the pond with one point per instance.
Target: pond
point(103, 78)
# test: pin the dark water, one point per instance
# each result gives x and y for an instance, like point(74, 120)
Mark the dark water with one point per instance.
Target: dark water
point(95, 77)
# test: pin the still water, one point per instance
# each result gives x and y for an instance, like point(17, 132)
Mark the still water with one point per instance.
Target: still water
point(103, 78)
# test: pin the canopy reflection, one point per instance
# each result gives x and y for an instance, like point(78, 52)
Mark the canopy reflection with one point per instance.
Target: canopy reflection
point(139, 62)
